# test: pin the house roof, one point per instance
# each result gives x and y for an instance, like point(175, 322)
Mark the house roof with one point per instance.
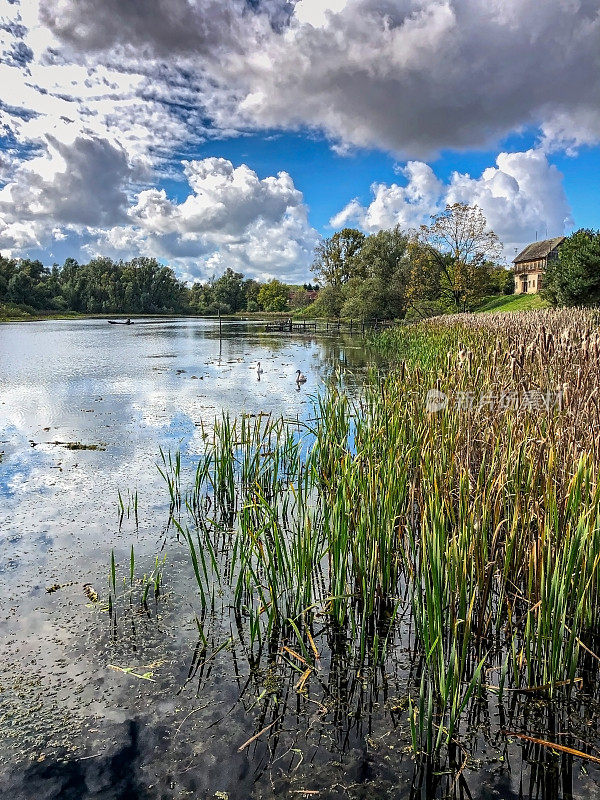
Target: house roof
point(538, 250)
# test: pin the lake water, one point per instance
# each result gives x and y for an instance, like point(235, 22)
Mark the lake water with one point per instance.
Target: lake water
point(74, 721)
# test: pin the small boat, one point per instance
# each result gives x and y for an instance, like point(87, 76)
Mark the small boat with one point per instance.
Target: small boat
point(120, 322)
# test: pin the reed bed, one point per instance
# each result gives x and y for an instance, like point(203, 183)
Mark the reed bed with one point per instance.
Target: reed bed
point(465, 533)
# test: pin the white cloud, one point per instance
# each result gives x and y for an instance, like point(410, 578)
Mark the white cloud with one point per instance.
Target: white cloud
point(393, 205)
point(521, 196)
point(76, 186)
point(419, 76)
point(317, 12)
point(411, 76)
point(101, 100)
point(231, 218)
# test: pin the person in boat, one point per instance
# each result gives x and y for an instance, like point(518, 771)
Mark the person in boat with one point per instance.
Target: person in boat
point(128, 321)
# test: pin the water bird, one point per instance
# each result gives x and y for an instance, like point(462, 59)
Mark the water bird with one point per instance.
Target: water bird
point(300, 378)
point(259, 369)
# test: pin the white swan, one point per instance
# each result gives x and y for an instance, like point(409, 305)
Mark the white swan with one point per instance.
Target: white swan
point(300, 378)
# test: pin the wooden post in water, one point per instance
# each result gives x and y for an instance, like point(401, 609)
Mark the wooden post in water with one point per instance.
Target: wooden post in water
point(220, 328)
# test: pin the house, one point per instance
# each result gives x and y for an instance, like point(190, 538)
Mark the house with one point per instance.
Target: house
point(531, 263)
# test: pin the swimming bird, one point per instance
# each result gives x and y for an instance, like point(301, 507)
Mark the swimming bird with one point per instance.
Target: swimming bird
point(259, 370)
point(300, 378)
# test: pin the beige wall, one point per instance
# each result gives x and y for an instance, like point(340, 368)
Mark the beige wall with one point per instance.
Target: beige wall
point(529, 282)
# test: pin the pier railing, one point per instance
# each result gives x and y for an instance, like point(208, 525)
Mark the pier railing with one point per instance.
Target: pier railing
point(326, 326)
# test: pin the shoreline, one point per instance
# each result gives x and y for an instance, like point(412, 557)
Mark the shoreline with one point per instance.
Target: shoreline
point(76, 315)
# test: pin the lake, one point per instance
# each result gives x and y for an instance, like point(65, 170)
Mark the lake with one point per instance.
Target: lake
point(129, 390)
point(98, 703)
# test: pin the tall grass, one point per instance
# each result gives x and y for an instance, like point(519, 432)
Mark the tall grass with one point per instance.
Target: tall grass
point(473, 531)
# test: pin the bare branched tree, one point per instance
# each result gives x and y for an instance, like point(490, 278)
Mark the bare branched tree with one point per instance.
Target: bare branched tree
point(459, 245)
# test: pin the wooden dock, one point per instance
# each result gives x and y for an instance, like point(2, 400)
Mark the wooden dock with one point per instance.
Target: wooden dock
point(287, 326)
point(327, 326)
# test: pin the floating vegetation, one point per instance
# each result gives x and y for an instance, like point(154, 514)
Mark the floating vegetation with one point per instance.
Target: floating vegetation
point(80, 446)
point(90, 593)
point(455, 533)
point(57, 586)
point(136, 672)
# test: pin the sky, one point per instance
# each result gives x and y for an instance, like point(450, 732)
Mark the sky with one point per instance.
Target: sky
point(235, 133)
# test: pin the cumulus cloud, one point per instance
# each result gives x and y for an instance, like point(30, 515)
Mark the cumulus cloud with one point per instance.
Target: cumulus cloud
point(73, 186)
point(393, 205)
point(104, 99)
point(521, 196)
point(225, 200)
point(411, 76)
point(230, 218)
point(163, 27)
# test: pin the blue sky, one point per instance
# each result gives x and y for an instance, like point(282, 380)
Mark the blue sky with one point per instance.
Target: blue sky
point(213, 134)
point(329, 180)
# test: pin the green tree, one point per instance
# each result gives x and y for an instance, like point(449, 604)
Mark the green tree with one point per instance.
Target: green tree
point(251, 290)
point(201, 299)
point(274, 296)
point(379, 288)
point(329, 302)
point(299, 297)
point(334, 262)
point(27, 283)
point(228, 291)
point(574, 278)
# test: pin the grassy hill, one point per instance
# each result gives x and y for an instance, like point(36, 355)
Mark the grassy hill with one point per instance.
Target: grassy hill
point(512, 302)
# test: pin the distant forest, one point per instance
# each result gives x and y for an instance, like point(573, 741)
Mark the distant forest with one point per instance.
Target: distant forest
point(139, 286)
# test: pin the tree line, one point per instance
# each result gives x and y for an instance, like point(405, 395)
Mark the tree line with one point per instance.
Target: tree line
point(449, 265)
point(139, 286)
point(446, 266)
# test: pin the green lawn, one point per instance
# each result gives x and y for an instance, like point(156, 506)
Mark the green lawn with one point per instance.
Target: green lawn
point(512, 302)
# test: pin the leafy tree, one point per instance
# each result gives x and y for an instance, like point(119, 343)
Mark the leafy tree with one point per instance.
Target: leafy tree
point(457, 251)
point(27, 283)
point(574, 278)
point(334, 263)
point(201, 299)
point(499, 280)
point(251, 290)
point(228, 291)
point(382, 270)
point(273, 296)
point(299, 297)
point(329, 302)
